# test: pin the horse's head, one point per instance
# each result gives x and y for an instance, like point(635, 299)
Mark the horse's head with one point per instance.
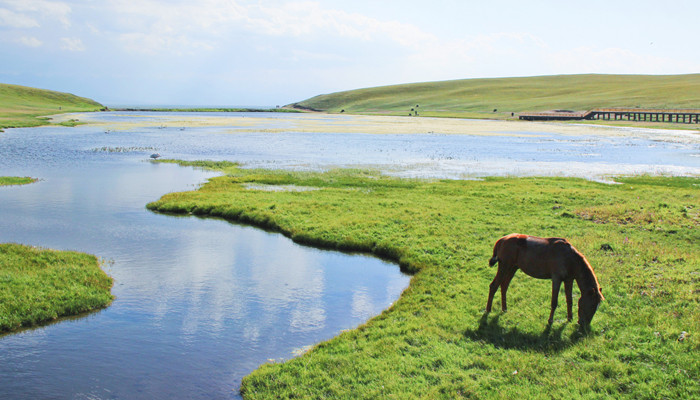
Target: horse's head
point(588, 305)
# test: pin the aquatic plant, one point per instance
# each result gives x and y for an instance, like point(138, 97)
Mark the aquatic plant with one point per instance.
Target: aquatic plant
point(131, 149)
point(12, 180)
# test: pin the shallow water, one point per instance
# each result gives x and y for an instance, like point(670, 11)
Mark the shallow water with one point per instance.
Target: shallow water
point(201, 302)
point(454, 149)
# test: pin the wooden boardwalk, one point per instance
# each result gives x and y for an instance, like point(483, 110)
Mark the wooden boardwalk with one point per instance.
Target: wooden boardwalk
point(650, 115)
point(681, 116)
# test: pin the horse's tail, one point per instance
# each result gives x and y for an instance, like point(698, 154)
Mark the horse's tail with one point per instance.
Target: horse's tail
point(494, 259)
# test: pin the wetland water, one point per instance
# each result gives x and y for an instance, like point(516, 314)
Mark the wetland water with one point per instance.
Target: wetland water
point(201, 302)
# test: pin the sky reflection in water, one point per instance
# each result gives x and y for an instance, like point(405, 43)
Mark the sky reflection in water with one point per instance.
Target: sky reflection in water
point(200, 302)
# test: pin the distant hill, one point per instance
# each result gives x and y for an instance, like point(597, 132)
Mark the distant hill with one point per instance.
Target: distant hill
point(22, 106)
point(478, 97)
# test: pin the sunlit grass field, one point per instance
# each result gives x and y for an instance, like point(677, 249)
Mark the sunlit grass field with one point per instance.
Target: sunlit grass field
point(22, 106)
point(478, 98)
point(41, 285)
point(640, 236)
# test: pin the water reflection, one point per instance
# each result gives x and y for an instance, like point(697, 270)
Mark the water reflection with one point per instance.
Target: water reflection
point(200, 302)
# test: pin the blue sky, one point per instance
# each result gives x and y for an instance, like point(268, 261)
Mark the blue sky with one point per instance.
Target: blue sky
point(267, 53)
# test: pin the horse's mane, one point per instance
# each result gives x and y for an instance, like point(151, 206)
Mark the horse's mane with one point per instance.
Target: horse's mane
point(588, 277)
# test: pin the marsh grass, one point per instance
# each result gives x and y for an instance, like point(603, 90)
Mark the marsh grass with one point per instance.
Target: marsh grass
point(435, 341)
point(13, 180)
point(40, 285)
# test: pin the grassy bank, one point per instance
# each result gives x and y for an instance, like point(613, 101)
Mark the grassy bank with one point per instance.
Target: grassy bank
point(22, 106)
point(12, 180)
point(478, 98)
point(435, 341)
point(40, 285)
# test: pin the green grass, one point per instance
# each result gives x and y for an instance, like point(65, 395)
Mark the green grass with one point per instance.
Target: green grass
point(12, 180)
point(477, 98)
point(22, 106)
point(40, 285)
point(641, 238)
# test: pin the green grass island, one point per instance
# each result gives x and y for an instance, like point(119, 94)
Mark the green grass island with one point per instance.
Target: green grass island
point(435, 341)
point(15, 180)
point(41, 285)
point(38, 286)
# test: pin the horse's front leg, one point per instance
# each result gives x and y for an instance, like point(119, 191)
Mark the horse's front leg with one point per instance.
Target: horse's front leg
point(567, 289)
point(556, 284)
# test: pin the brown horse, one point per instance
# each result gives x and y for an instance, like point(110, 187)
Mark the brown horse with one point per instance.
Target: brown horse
point(546, 258)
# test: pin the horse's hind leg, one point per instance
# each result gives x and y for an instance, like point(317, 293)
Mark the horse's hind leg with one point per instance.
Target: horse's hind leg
point(567, 289)
point(556, 285)
point(505, 282)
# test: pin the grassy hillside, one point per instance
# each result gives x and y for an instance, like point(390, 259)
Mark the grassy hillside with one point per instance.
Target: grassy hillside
point(435, 342)
point(22, 106)
point(476, 97)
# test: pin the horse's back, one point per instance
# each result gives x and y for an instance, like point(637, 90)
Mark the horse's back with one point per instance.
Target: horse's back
point(536, 256)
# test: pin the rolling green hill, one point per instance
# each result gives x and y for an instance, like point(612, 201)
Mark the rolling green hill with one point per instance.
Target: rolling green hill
point(22, 106)
point(477, 97)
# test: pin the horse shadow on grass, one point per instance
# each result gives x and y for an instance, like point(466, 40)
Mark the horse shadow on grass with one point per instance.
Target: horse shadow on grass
point(550, 340)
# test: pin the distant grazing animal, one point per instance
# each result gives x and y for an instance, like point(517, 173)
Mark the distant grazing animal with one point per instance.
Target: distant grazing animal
point(546, 258)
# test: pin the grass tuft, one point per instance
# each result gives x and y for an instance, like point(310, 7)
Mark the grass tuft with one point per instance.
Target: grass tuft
point(12, 180)
point(40, 285)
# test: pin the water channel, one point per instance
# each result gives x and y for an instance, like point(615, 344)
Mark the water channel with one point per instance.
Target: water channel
point(202, 302)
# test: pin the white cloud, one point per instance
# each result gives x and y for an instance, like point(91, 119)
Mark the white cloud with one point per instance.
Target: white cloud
point(72, 44)
point(310, 18)
point(153, 43)
point(29, 41)
point(12, 19)
point(615, 60)
point(155, 25)
point(480, 55)
point(46, 9)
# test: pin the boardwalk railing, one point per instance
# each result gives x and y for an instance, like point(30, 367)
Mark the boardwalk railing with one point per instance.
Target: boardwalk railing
point(687, 116)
